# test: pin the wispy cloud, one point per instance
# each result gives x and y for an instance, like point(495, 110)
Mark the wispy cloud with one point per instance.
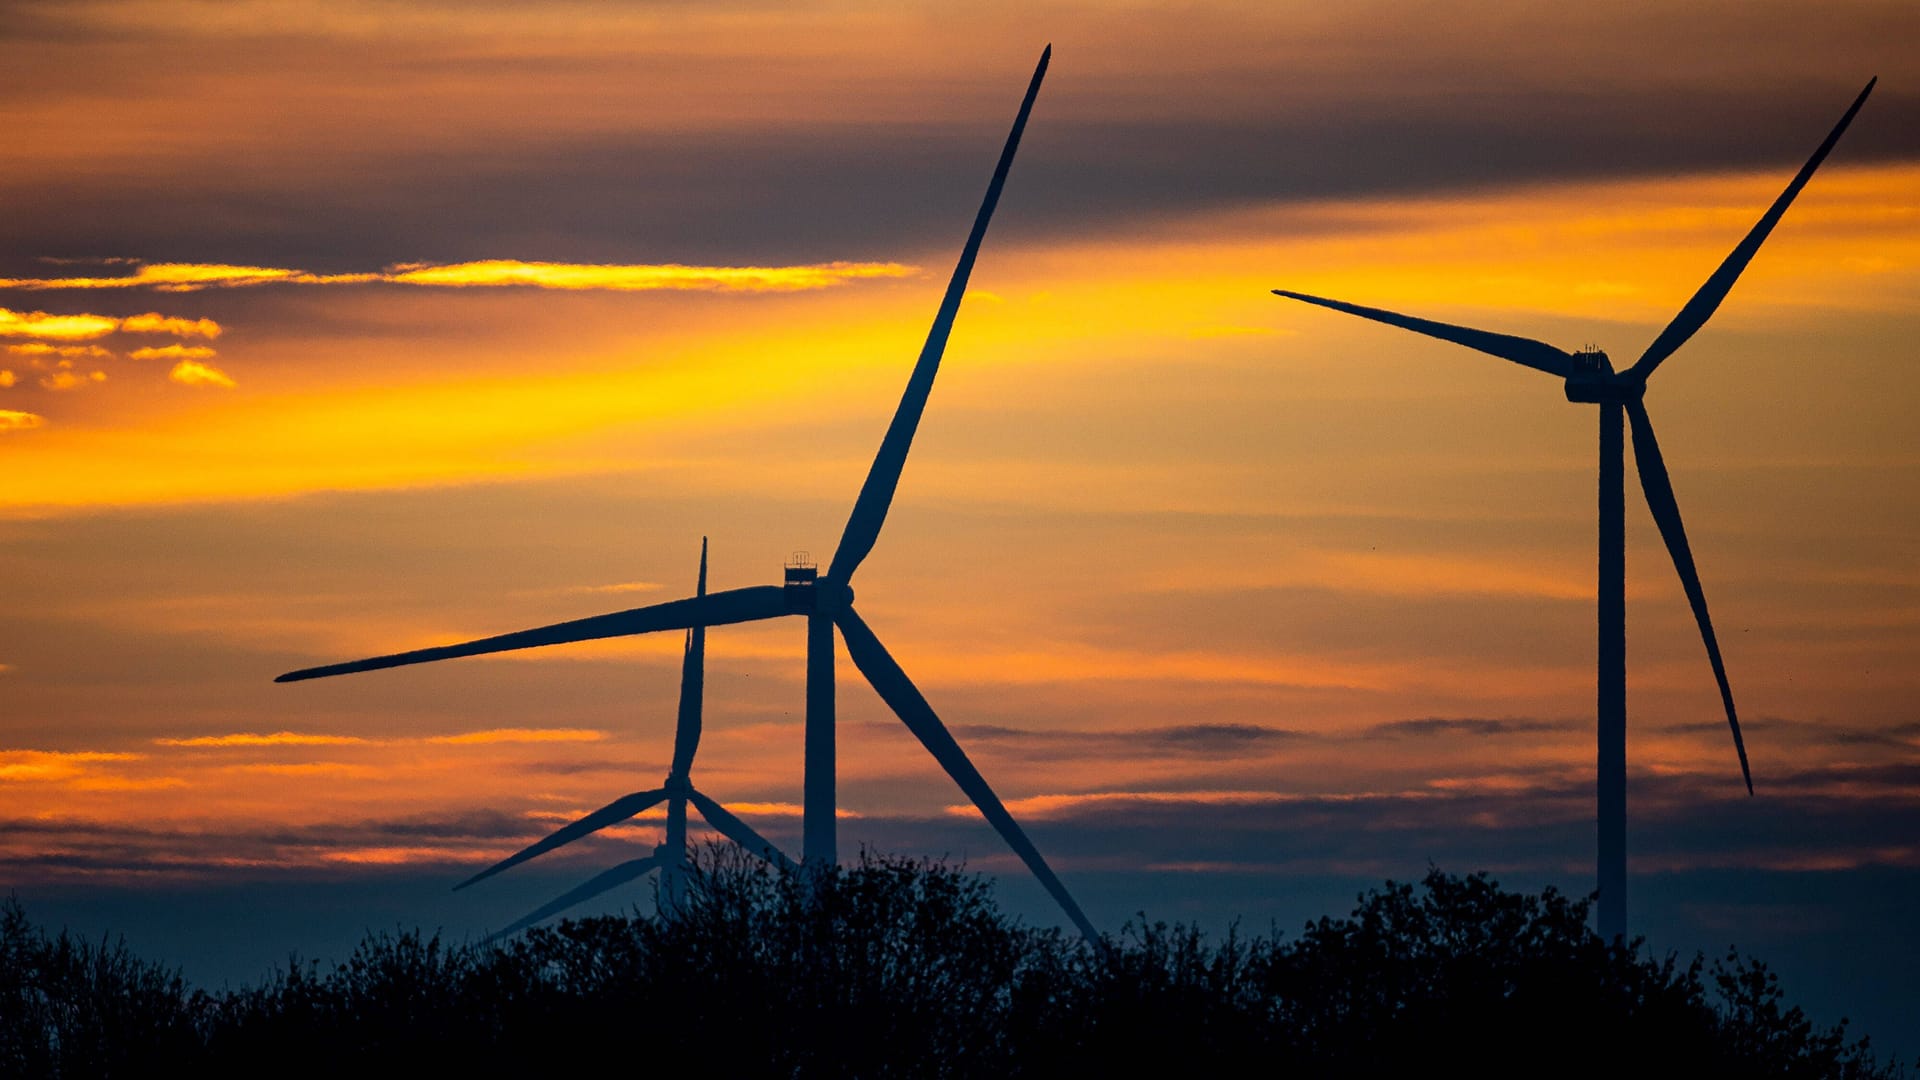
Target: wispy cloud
point(485, 273)
point(1051, 806)
point(155, 323)
point(126, 783)
point(40, 324)
point(544, 275)
point(397, 856)
point(521, 735)
point(7, 378)
point(42, 349)
point(173, 352)
point(15, 420)
point(616, 587)
point(54, 764)
point(1461, 725)
point(89, 326)
point(195, 373)
point(243, 739)
point(277, 738)
point(185, 277)
point(65, 378)
point(335, 769)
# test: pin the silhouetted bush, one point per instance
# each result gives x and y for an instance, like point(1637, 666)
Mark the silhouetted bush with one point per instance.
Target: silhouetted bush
point(70, 1008)
point(898, 968)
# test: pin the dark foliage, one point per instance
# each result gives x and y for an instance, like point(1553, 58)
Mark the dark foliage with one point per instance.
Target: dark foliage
point(70, 1008)
point(896, 968)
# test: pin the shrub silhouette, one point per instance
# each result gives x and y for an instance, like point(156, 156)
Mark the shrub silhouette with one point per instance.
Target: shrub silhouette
point(70, 1008)
point(898, 968)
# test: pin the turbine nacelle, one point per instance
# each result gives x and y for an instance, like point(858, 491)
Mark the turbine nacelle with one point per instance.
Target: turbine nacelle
point(807, 593)
point(1591, 379)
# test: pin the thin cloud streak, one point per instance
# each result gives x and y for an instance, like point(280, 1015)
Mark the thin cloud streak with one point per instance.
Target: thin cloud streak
point(309, 738)
point(278, 738)
point(485, 273)
point(155, 323)
point(173, 352)
point(89, 326)
point(41, 324)
point(55, 764)
point(41, 348)
point(521, 735)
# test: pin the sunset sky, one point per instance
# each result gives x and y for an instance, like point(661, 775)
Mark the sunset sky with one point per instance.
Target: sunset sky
point(335, 330)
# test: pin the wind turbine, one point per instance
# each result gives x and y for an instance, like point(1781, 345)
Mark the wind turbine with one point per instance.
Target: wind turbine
point(825, 602)
point(1590, 378)
point(670, 857)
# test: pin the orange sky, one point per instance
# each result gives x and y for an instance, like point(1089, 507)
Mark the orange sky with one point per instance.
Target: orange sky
point(372, 328)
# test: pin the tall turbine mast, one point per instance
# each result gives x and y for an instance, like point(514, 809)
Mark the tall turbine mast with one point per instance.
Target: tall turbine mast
point(825, 602)
point(1590, 378)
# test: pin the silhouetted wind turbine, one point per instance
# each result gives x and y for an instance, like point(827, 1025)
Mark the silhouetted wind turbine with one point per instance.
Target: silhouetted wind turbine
point(826, 602)
point(1590, 378)
point(670, 857)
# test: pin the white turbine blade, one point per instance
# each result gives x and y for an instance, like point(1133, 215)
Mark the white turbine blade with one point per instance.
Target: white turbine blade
point(738, 831)
point(905, 699)
point(870, 509)
point(1707, 300)
point(717, 609)
point(1666, 514)
point(1533, 354)
point(619, 875)
point(611, 814)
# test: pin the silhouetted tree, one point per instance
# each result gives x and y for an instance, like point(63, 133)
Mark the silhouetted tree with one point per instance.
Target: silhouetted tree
point(897, 968)
point(72, 1008)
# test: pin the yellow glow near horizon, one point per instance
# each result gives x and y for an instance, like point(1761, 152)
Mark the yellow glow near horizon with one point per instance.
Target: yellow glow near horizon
point(1533, 250)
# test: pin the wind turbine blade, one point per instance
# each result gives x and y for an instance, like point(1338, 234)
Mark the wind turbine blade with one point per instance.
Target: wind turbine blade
point(1534, 354)
point(1666, 514)
point(600, 883)
point(1707, 300)
point(906, 701)
point(611, 814)
point(717, 609)
point(876, 495)
point(738, 831)
point(693, 679)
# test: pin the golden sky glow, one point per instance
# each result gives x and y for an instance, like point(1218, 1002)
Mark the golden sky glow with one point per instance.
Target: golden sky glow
point(387, 326)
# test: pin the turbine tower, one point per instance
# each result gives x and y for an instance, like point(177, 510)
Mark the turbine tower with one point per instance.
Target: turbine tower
point(1590, 378)
point(670, 857)
point(825, 602)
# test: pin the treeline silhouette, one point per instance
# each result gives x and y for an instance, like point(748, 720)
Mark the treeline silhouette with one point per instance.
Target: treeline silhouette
point(899, 968)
